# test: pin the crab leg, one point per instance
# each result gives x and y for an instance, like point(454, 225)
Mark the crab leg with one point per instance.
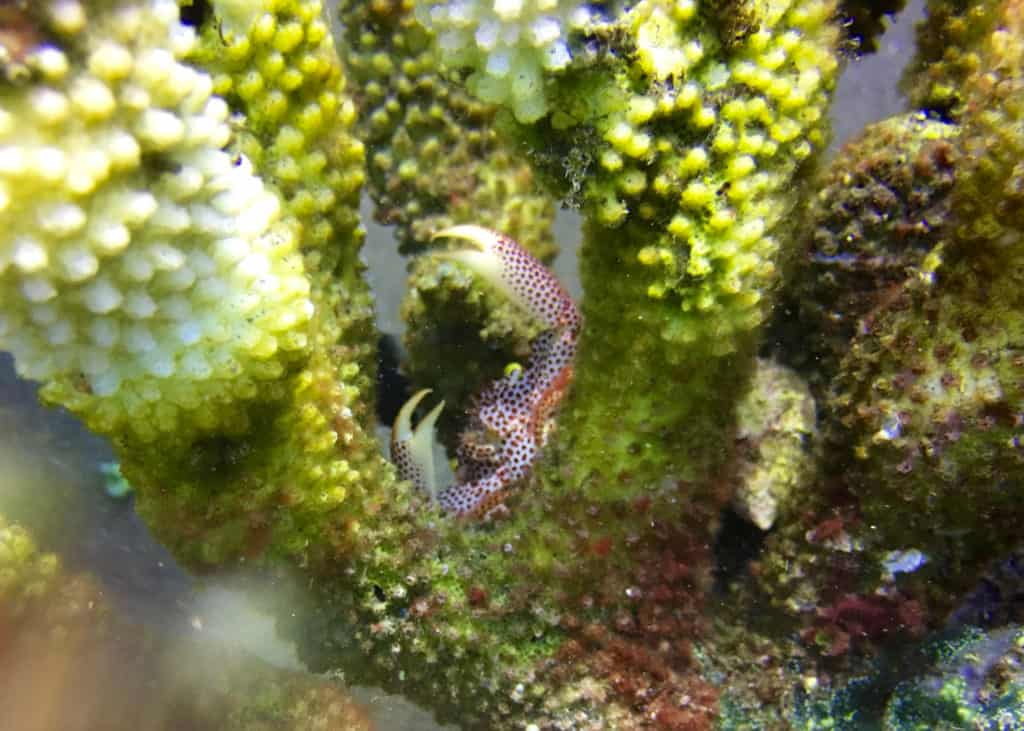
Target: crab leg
point(509, 424)
point(412, 449)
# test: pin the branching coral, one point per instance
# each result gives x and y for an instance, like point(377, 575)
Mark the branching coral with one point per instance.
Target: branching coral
point(145, 279)
point(685, 132)
point(436, 160)
point(686, 124)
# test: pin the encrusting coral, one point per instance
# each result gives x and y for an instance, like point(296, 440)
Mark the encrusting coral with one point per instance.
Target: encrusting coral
point(871, 226)
point(929, 391)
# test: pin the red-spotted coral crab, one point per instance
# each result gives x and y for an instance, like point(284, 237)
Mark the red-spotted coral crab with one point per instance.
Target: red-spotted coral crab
point(510, 422)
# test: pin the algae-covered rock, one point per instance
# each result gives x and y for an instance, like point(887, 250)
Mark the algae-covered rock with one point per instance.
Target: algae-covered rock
point(930, 389)
point(930, 394)
point(977, 682)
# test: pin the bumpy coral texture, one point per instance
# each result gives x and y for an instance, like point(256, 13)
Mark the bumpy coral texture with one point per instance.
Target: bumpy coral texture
point(873, 225)
point(990, 194)
point(947, 53)
point(930, 391)
point(294, 482)
point(435, 160)
point(434, 157)
point(144, 275)
point(685, 139)
point(510, 44)
point(277, 67)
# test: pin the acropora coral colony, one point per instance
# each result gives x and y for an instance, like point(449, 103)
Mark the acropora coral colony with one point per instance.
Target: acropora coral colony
point(776, 444)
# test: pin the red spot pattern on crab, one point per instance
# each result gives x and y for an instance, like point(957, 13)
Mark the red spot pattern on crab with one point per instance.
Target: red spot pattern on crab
point(513, 414)
point(510, 422)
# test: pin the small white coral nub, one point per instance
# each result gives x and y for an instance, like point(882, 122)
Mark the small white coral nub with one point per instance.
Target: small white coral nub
point(508, 43)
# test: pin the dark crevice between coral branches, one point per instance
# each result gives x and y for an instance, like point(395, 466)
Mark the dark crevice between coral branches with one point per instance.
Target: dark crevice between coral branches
point(195, 13)
point(738, 543)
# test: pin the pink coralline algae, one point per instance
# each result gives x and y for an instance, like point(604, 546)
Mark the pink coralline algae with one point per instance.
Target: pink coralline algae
point(512, 418)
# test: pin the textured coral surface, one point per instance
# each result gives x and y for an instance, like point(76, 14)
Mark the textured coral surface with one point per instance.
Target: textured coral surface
point(144, 275)
point(181, 267)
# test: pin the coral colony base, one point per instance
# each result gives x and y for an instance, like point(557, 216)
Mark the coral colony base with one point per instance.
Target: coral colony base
point(784, 491)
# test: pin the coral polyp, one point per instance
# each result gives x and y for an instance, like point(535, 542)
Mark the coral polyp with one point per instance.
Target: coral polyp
point(512, 419)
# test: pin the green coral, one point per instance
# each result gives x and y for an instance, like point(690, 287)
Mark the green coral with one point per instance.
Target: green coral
point(146, 278)
point(435, 159)
point(989, 195)
point(947, 53)
point(691, 141)
point(511, 45)
point(295, 482)
point(685, 132)
point(227, 313)
point(26, 574)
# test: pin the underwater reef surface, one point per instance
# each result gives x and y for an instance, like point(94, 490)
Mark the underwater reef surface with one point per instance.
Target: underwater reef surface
point(775, 487)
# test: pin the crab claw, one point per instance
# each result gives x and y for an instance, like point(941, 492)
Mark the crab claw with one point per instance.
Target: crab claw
point(412, 449)
point(508, 267)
